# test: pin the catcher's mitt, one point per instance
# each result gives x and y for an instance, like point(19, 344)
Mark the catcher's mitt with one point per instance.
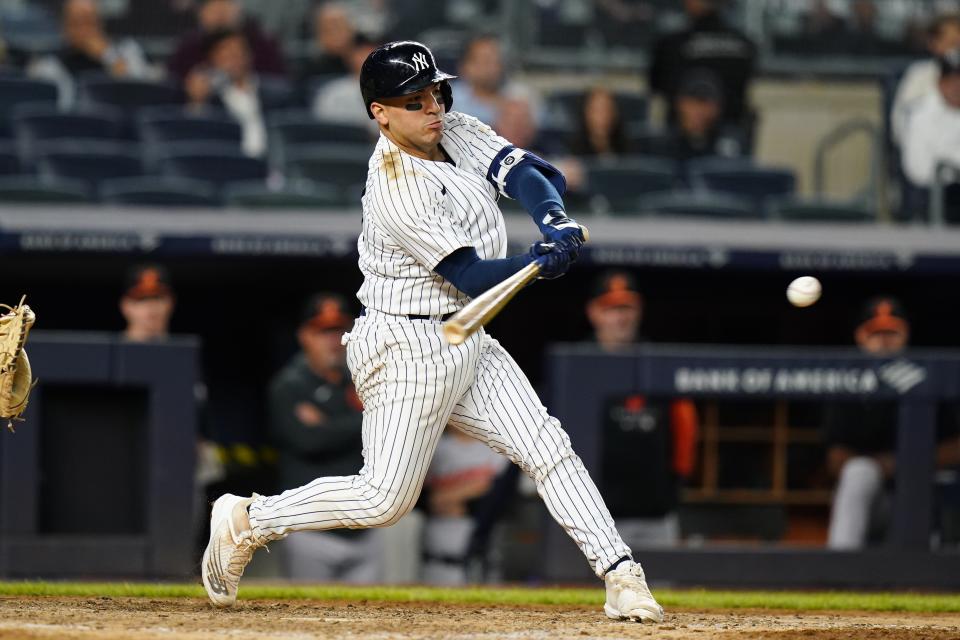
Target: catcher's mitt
point(15, 378)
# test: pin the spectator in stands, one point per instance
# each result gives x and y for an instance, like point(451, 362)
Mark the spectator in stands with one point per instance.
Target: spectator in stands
point(708, 42)
point(921, 78)
point(699, 129)
point(600, 130)
point(216, 16)
point(462, 474)
point(336, 99)
point(285, 20)
point(315, 424)
point(621, 21)
point(333, 40)
point(483, 83)
point(861, 437)
point(87, 48)
point(932, 132)
point(147, 303)
point(648, 443)
point(227, 78)
point(516, 122)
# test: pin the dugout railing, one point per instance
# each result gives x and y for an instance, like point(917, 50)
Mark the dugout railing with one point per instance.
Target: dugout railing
point(582, 378)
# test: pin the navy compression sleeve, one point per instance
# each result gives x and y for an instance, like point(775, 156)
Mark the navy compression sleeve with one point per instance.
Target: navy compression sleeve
point(534, 191)
point(473, 276)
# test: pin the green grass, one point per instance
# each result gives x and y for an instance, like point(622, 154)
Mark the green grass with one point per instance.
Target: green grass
point(686, 599)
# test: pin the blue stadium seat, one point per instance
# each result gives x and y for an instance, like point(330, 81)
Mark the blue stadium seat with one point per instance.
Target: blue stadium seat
point(126, 94)
point(705, 204)
point(299, 194)
point(35, 189)
point(291, 128)
point(33, 126)
point(15, 90)
point(756, 183)
point(343, 166)
point(160, 191)
point(166, 130)
point(276, 93)
point(563, 107)
point(88, 161)
point(166, 124)
point(9, 160)
point(820, 210)
point(217, 164)
point(613, 186)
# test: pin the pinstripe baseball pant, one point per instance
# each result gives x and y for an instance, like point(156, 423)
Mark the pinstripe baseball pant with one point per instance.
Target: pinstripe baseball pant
point(412, 384)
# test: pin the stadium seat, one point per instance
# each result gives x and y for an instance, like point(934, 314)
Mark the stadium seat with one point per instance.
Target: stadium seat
point(126, 94)
point(343, 166)
point(746, 180)
point(314, 83)
point(35, 189)
point(161, 191)
point(704, 204)
point(217, 164)
point(88, 161)
point(166, 130)
point(15, 90)
point(300, 194)
point(9, 159)
point(819, 210)
point(180, 125)
point(563, 107)
point(34, 126)
point(276, 93)
point(614, 186)
point(291, 128)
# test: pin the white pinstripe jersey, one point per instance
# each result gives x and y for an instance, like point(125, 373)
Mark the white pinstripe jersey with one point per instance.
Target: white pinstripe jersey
point(416, 212)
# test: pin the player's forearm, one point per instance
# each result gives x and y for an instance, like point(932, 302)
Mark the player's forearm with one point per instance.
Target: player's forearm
point(534, 191)
point(473, 276)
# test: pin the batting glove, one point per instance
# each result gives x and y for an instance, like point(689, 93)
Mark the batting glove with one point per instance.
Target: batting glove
point(553, 260)
point(562, 231)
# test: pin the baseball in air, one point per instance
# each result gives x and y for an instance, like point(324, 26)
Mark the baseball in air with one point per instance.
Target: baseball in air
point(804, 291)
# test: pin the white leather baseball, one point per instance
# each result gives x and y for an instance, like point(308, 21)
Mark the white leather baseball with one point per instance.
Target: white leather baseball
point(804, 291)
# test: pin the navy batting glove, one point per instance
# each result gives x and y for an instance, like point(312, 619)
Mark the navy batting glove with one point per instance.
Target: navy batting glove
point(553, 260)
point(558, 228)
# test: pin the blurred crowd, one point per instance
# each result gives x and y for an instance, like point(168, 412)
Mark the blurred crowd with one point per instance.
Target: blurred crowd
point(229, 111)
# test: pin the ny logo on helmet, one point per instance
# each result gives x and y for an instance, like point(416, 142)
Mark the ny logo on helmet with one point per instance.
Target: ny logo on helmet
point(420, 62)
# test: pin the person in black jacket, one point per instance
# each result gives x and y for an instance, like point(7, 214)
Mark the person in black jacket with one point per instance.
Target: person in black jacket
point(707, 43)
point(861, 438)
point(315, 419)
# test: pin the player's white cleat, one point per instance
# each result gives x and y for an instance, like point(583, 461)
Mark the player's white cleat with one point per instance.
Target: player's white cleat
point(628, 596)
point(230, 549)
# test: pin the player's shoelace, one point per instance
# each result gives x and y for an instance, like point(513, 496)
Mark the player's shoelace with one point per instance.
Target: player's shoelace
point(632, 579)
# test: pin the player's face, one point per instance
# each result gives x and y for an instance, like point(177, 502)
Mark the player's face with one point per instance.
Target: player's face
point(147, 318)
point(882, 343)
point(322, 348)
point(615, 326)
point(413, 122)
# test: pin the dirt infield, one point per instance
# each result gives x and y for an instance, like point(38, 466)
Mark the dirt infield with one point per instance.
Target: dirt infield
point(107, 618)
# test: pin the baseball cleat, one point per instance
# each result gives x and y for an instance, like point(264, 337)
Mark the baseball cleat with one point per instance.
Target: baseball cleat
point(628, 597)
point(229, 550)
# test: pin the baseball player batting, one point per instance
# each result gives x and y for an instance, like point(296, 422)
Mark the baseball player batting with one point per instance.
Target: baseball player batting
point(432, 238)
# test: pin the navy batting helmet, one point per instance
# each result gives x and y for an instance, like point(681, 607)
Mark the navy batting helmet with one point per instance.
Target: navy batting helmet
point(400, 68)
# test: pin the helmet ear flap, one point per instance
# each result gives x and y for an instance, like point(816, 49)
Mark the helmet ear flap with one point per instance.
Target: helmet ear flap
point(447, 92)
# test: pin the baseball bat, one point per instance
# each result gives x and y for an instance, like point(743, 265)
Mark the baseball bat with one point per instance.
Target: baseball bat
point(488, 304)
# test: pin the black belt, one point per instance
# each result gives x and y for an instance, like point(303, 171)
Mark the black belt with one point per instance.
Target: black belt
point(414, 316)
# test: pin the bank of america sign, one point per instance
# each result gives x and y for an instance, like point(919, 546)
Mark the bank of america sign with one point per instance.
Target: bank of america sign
point(900, 375)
